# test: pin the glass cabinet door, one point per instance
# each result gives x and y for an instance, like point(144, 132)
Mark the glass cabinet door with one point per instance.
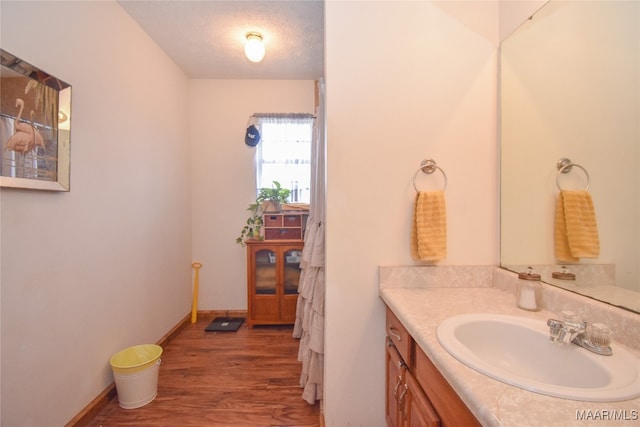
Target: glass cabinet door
point(265, 274)
point(291, 271)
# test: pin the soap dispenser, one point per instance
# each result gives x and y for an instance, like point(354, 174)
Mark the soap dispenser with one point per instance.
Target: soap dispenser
point(529, 291)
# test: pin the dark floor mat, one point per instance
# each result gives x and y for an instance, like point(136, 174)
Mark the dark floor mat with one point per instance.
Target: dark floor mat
point(225, 324)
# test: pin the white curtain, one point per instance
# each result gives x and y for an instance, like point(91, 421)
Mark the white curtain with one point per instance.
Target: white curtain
point(309, 325)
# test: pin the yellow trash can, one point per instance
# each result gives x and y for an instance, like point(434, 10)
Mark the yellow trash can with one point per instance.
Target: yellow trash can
point(135, 370)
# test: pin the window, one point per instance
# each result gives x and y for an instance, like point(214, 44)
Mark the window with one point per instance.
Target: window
point(284, 154)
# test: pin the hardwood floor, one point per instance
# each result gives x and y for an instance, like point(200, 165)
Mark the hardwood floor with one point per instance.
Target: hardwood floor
point(244, 378)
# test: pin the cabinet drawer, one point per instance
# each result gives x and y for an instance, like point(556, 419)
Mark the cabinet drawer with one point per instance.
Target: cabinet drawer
point(399, 335)
point(292, 220)
point(272, 220)
point(452, 410)
point(282, 234)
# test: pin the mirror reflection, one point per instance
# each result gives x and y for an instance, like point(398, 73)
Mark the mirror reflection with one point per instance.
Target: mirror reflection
point(570, 89)
point(35, 126)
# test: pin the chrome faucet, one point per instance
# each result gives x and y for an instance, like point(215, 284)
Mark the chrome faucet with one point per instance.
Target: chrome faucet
point(595, 337)
point(565, 331)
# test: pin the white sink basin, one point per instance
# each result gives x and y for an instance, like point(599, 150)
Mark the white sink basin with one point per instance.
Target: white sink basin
point(518, 351)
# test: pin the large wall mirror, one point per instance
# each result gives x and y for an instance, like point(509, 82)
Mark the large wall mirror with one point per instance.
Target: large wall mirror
point(570, 88)
point(35, 127)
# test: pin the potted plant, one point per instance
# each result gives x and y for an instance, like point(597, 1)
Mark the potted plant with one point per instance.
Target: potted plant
point(252, 230)
point(272, 198)
point(268, 200)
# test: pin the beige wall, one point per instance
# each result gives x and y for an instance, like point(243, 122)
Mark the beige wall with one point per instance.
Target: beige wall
point(107, 265)
point(223, 175)
point(412, 80)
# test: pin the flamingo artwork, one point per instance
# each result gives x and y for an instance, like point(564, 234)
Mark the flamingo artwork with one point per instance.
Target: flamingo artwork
point(25, 136)
point(38, 140)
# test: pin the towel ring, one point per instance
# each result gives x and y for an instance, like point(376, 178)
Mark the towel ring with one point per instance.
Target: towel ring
point(429, 166)
point(565, 165)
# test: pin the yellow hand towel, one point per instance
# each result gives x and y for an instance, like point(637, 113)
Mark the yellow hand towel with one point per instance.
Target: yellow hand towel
point(429, 229)
point(576, 229)
point(563, 252)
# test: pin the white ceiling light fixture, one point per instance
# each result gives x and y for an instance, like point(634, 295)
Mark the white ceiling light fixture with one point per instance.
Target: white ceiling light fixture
point(254, 49)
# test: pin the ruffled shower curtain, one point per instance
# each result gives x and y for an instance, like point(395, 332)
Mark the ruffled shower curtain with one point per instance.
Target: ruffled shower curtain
point(309, 324)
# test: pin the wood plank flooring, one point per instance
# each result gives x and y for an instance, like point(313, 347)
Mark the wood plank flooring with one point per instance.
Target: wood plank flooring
point(245, 378)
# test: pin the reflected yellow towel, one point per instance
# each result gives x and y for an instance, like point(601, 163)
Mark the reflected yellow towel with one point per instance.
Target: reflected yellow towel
point(576, 229)
point(429, 229)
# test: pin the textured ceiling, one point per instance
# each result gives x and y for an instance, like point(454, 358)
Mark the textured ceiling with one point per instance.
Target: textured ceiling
point(206, 38)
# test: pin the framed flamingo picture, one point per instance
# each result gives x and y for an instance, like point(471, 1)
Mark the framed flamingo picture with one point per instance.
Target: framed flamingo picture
point(35, 127)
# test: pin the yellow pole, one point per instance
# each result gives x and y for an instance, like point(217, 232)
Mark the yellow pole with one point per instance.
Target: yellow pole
point(194, 305)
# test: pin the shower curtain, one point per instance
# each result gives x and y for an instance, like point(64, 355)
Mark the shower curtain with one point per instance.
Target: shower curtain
point(309, 324)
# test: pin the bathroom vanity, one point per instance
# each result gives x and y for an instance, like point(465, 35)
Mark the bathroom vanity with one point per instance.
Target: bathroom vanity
point(416, 393)
point(419, 299)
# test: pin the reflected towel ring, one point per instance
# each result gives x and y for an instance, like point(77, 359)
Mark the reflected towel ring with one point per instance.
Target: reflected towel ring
point(565, 165)
point(429, 166)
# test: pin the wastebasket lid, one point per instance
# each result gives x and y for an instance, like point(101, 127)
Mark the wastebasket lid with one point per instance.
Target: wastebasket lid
point(137, 355)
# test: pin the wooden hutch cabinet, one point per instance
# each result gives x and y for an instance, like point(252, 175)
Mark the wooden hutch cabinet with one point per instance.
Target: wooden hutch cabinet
point(273, 274)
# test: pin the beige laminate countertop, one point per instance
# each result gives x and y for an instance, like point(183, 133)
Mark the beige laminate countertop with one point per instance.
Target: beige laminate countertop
point(495, 403)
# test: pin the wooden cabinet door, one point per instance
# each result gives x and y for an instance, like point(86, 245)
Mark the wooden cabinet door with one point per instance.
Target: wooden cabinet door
point(395, 371)
point(263, 299)
point(290, 256)
point(418, 411)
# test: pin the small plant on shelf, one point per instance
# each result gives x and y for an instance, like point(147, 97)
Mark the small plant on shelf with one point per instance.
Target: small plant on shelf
point(252, 230)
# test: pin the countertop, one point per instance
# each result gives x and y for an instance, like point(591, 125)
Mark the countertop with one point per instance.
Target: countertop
point(492, 402)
